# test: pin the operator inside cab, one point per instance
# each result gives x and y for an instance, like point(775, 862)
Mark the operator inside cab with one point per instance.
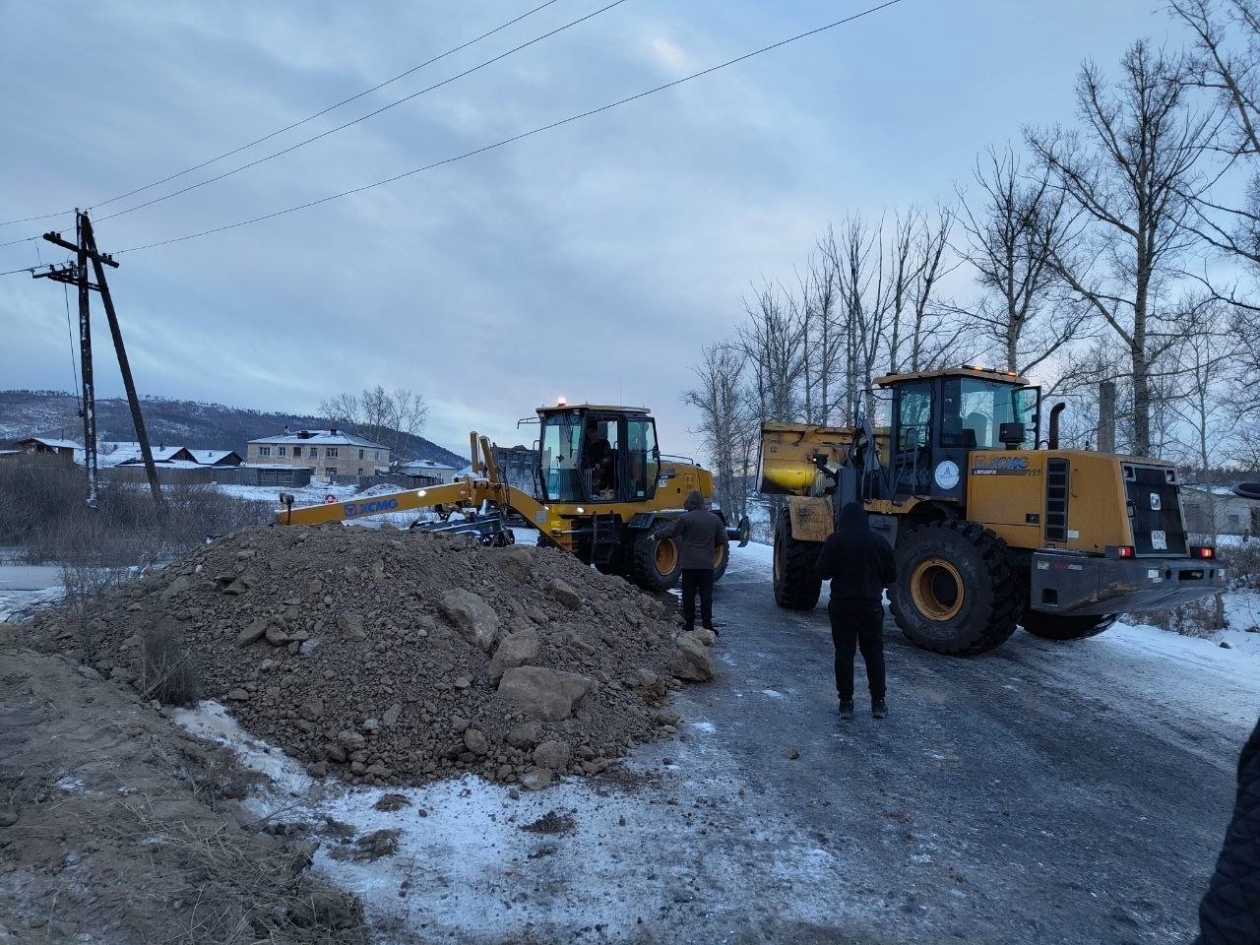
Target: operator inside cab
point(600, 460)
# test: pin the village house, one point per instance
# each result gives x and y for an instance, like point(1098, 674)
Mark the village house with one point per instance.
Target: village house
point(426, 472)
point(329, 452)
point(1233, 515)
point(45, 446)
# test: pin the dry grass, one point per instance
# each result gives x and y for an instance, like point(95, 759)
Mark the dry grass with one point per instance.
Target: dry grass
point(168, 671)
point(215, 889)
point(43, 510)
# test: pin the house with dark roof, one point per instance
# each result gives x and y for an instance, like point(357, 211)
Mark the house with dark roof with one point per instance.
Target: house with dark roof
point(329, 452)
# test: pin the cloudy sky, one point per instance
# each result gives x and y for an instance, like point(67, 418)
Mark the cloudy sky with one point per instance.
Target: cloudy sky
point(591, 261)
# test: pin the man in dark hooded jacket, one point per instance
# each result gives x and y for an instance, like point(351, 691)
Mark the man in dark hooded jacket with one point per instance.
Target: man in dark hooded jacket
point(699, 533)
point(1230, 911)
point(859, 565)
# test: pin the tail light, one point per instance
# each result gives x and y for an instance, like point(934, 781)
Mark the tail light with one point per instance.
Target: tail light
point(1121, 551)
point(1204, 551)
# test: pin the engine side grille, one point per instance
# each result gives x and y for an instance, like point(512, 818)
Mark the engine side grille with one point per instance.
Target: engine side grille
point(1057, 473)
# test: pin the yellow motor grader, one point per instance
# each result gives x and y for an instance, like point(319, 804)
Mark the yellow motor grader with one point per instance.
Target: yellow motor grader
point(603, 491)
point(990, 528)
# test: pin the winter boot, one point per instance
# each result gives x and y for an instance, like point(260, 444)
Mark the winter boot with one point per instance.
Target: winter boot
point(846, 709)
point(879, 709)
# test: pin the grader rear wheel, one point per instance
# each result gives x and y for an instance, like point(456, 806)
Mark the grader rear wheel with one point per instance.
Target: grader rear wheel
point(655, 564)
point(795, 585)
point(956, 591)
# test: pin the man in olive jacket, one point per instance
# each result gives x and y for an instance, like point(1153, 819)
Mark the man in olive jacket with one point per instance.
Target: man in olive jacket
point(699, 534)
point(1230, 911)
point(859, 565)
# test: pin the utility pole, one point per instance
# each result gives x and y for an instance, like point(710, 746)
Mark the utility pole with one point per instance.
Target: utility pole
point(85, 248)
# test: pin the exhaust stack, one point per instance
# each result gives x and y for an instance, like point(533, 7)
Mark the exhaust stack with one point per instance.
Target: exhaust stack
point(1057, 409)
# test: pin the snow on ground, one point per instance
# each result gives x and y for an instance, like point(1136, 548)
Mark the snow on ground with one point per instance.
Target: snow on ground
point(311, 494)
point(469, 849)
point(475, 860)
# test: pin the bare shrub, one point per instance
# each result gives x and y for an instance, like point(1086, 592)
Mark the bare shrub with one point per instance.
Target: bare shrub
point(168, 671)
point(84, 581)
point(1201, 619)
point(1242, 564)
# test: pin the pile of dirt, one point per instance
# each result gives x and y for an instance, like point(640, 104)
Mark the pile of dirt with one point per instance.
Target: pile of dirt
point(117, 826)
point(388, 656)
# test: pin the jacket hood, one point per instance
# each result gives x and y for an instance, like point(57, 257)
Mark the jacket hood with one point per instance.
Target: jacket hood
point(853, 518)
point(694, 501)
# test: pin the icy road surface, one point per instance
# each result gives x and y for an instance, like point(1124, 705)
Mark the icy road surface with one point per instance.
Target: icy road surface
point(1043, 793)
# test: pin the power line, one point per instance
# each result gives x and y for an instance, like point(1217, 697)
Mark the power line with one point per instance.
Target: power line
point(523, 135)
point(371, 114)
point(296, 124)
point(31, 269)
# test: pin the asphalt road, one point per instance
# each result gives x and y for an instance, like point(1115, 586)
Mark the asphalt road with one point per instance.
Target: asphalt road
point(1042, 793)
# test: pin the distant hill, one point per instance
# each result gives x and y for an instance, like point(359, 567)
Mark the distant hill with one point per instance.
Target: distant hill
point(173, 422)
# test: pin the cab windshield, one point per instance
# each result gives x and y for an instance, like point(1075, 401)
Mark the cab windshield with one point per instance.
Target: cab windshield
point(974, 409)
point(560, 457)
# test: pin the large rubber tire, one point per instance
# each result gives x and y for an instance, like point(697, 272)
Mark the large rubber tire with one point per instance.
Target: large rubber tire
point(655, 564)
point(956, 591)
point(721, 558)
point(1055, 627)
point(795, 586)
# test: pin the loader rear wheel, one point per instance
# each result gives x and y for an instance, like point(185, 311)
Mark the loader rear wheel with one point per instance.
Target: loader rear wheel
point(1056, 627)
point(655, 564)
point(795, 586)
point(955, 591)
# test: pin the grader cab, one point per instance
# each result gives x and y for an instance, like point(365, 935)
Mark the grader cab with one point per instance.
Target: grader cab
point(990, 527)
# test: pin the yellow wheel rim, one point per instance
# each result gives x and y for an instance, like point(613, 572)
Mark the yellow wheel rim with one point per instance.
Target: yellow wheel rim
point(666, 556)
point(937, 589)
point(718, 552)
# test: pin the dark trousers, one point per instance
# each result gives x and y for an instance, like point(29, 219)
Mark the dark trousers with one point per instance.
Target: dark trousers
point(697, 579)
point(858, 624)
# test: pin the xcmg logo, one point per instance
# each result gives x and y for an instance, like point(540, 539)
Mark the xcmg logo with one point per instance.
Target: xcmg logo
point(354, 509)
point(990, 465)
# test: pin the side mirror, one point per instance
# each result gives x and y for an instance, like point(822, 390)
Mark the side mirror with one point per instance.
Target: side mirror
point(1012, 434)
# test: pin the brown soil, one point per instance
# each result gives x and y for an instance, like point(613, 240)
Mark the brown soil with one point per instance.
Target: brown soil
point(361, 674)
point(116, 826)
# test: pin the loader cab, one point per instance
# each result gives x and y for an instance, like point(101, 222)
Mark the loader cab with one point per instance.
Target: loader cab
point(597, 454)
point(940, 417)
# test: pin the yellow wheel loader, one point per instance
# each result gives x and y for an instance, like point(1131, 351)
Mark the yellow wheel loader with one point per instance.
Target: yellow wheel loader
point(603, 491)
point(990, 528)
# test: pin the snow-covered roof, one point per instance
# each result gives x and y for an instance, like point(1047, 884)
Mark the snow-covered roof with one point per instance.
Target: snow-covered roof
point(211, 457)
point(427, 464)
point(1216, 490)
point(321, 437)
point(50, 443)
point(120, 454)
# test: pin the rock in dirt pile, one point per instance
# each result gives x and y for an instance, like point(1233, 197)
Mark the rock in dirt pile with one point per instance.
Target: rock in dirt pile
point(388, 656)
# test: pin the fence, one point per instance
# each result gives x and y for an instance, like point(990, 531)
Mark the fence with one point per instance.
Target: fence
point(290, 477)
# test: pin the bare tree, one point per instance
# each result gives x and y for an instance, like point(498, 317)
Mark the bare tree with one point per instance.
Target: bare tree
point(772, 340)
point(1015, 227)
point(1134, 173)
point(857, 264)
point(932, 335)
point(718, 397)
point(377, 414)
